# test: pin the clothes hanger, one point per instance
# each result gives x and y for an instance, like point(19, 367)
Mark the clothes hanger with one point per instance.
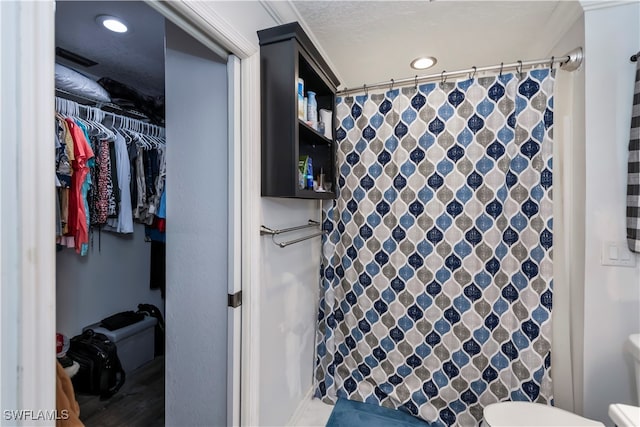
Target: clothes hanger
point(132, 129)
point(95, 116)
point(149, 143)
point(152, 132)
point(99, 118)
point(120, 129)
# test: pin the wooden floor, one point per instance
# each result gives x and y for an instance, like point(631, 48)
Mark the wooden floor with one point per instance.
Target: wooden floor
point(139, 403)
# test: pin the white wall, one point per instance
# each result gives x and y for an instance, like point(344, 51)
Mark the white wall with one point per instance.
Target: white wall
point(110, 279)
point(197, 233)
point(612, 294)
point(568, 251)
point(289, 300)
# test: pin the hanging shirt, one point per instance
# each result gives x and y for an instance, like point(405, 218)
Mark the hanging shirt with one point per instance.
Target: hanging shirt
point(78, 222)
point(124, 222)
point(64, 170)
point(101, 190)
point(140, 211)
point(86, 186)
point(114, 193)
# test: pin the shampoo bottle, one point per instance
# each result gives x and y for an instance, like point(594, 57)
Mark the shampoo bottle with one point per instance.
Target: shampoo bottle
point(312, 109)
point(309, 173)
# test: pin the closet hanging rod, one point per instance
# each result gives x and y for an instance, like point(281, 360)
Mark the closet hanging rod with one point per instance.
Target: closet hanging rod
point(97, 104)
point(266, 230)
point(570, 62)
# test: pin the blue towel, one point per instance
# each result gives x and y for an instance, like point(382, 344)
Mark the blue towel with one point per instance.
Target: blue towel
point(348, 413)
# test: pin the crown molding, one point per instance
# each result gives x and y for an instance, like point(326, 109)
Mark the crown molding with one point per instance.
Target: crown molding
point(203, 23)
point(560, 21)
point(588, 5)
point(284, 12)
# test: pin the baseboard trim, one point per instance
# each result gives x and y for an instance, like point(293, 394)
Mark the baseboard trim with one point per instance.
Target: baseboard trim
point(302, 407)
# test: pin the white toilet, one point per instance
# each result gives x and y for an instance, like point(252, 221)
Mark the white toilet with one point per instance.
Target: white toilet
point(513, 414)
point(627, 415)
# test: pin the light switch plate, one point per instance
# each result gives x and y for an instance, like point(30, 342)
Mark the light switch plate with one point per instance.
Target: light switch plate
point(617, 254)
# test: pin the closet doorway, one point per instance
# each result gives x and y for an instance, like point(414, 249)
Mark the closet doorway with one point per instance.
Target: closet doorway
point(201, 359)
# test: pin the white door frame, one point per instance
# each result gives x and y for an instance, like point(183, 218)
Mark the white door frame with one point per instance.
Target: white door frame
point(27, 371)
point(234, 191)
point(27, 288)
point(214, 32)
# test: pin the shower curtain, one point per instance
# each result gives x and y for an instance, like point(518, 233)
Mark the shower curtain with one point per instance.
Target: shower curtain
point(436, 281)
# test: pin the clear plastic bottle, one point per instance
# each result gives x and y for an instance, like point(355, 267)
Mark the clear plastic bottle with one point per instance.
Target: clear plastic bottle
point(309, 173)
point(312, 109)
point(302, 111)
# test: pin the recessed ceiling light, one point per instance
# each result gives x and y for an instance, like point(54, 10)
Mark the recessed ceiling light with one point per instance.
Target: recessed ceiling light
point(423, 62)
point(112, 23)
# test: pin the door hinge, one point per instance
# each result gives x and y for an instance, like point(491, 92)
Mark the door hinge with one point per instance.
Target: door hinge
point(234, 300)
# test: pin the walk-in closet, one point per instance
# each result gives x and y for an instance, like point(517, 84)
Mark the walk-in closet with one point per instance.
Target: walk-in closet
point(142, 208)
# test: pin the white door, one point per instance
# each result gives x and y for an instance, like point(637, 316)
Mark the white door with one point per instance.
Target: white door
point(202, 360)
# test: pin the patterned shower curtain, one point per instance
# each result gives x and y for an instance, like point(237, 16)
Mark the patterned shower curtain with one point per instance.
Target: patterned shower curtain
point(436, 283)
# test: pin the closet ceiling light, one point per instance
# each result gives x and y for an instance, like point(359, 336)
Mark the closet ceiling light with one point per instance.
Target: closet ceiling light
point(423, 62)
point(112, 23)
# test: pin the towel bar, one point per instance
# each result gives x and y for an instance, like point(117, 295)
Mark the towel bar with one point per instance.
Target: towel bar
point(267, 230)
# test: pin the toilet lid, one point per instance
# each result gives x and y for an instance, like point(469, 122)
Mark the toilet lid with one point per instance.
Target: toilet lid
point(624, 415)
point(513, 414)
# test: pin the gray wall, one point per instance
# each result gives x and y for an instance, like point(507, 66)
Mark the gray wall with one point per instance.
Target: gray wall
point(108, 280)
point(196, 125)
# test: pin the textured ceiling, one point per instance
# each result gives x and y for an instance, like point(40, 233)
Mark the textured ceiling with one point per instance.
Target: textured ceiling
point(374, 41)
point(135, 58)
point(365, 41)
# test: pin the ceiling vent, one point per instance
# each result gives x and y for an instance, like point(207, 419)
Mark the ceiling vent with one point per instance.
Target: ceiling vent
point(74, 57)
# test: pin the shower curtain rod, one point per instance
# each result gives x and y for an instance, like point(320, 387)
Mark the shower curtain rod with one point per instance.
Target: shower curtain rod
point(570, 62)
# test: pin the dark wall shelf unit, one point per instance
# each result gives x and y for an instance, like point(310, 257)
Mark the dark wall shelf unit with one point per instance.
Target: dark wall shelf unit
point(287, 53)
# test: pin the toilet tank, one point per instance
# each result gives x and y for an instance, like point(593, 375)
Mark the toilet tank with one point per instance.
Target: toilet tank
point(634, 346)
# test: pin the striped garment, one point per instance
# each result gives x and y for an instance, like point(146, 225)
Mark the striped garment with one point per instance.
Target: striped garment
point(633, 180)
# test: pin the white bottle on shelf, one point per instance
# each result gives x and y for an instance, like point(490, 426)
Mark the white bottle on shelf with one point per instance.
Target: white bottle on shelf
point(312, 109)
point(305, 101)
point(326, 117)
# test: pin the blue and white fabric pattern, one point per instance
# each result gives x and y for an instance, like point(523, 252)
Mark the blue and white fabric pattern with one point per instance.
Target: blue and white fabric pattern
point(436, 282)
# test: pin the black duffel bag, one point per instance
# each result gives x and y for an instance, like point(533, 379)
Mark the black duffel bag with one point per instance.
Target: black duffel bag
point(100, 370)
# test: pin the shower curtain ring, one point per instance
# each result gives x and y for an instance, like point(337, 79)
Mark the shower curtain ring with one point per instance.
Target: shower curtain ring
point(415, 83)
point(443, 79)
point(366, 91)
point(519, 69)
point(471, 76)
point(501, 67)
point(553, 71)
point(392, 82)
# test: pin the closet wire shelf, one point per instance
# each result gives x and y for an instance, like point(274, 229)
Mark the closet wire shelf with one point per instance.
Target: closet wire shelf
point(107, 106)
point(273, 233)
